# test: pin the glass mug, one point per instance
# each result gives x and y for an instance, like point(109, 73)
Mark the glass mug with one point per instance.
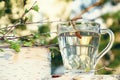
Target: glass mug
point(79, 43)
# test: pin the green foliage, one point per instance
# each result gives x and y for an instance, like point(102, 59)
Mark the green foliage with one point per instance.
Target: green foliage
point(8, 7)
point(29, 40)
point(43, 41)
point(43, 29)
point(115, 27)
point(104, 72)
point(116, 45)
point(116, 62)
point(54, 51)
point(36, 8)
point(36, 36)
point(53, 41)
point(21, 27)
point(26, 10)
point(67, 0)
point(56, 56)
point(27, 43)
point(15, 45)
point(1, 50)
point(103, 42)
point(1, 13)
point(1, 0)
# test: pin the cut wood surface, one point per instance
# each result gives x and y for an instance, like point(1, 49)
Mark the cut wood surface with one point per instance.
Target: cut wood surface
point(31, 63)
point(89, 77)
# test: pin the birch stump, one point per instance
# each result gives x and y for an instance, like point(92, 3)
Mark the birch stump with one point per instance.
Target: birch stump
point(31, 63)
point(89, 77)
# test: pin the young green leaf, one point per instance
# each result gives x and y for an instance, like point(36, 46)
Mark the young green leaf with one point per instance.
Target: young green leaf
point(36, 36)
point(27, 44)
point(52, 54)
point(35, 8)
point(15, 46)
point(26, 10)
point(1, 50)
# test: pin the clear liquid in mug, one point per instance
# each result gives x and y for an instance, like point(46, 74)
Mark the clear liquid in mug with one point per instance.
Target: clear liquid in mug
point(79, 54)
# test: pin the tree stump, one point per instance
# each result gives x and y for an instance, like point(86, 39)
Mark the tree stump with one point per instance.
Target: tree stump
point(31, 63)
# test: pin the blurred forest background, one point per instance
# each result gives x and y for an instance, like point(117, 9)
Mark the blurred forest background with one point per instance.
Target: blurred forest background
point(108, 14)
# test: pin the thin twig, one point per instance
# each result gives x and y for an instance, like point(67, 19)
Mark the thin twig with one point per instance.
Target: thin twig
point(12, 27)
point(77, 33)
point(109, 69)
point(15, 37)
point(28, 10)
point(106, 68)
point(12, 38)
point(41, 21)
point(79, 16)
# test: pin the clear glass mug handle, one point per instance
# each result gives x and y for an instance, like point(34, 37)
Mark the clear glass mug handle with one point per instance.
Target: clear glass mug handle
point(108, 47)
